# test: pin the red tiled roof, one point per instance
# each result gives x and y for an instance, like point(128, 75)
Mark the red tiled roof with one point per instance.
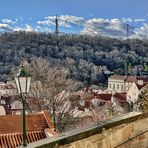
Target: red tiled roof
point(131, 79)
point(121, 96)
point(145, 79)
point(13, 123)
point(106, 97)
point(14, 140)
point(119, 77)
point(11, 128)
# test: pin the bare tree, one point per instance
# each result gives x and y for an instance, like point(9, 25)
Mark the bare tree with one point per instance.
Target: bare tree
point(143, 99)
point(52, 89)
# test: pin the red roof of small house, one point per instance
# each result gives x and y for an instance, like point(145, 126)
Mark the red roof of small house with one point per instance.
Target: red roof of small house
point(106, 97)
point(11, 128)
point(119, 77)
point(144, 79)
point(131, 79)
point(121, 96)
point(15, 139)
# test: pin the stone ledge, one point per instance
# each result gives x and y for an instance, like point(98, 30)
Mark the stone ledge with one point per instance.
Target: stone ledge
point(82, 133)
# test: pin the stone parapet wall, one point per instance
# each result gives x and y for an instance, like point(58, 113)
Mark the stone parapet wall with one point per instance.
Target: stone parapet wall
point(123, 132)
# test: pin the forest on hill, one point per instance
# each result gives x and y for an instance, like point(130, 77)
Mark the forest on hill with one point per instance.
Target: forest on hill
point(86, 57)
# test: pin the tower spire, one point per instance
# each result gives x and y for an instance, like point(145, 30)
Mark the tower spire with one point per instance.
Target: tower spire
point(56, 25)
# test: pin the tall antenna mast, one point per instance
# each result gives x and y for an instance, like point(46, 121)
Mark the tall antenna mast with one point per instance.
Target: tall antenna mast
point(56, 25)
point(127, 29)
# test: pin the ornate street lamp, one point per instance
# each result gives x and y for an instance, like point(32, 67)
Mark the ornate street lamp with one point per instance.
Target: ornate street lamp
point(23, 80)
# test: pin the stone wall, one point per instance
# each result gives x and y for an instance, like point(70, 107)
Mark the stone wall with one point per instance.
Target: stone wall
point(123, 132)
point(115, 136)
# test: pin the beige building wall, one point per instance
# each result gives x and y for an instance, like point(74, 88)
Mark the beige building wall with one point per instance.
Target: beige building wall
point(133, 93)
point(116, 85)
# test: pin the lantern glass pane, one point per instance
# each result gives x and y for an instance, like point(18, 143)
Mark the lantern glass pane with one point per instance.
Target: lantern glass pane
point(23, 88)
point(17, 84)
point(28, 84)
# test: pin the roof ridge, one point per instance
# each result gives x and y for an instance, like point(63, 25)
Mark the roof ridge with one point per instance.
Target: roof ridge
point(48, 119)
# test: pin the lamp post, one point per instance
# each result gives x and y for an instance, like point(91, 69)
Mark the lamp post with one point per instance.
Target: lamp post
point(23, 80)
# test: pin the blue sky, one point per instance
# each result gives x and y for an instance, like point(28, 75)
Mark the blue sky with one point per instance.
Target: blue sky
point(102, 16)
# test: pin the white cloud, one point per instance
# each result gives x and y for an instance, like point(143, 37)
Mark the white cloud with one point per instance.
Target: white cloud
point(8, 21)
point(29, 28)
point(141, 32)
point(46, 22)
point(106, 27)
point(42, 29)
point(5, 27)
point(127, 20)
point(64, 20)
point(69, 19)
point(139, 20)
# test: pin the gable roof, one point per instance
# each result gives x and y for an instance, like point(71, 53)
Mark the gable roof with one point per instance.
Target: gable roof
point(131, 79)
point(11, 128)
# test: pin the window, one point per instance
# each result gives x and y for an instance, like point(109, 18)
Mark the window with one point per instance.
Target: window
point(110, 86)
point(121, 86)
point(117, 86)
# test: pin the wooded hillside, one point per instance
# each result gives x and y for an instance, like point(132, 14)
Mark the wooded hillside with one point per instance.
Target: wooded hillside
point(82, 55)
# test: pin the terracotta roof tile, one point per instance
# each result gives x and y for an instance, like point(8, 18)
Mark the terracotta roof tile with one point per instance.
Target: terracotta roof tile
point(131, 79)
point(120, 96)
point(106, 97)
point(36, 126)
point(119, 77)
point(15, 139)
point(145, 79)
point(13, 123)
